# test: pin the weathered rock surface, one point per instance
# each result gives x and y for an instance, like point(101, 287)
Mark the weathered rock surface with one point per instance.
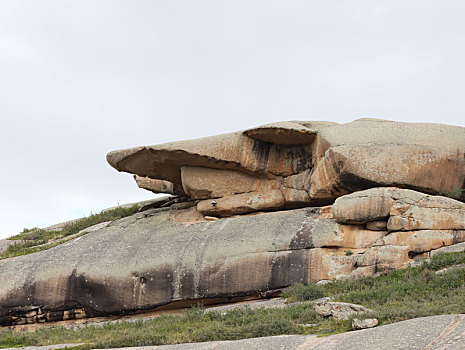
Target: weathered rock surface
point(201, 183)
point(379, 153)
point(312, 162)
point(364, 324)
point(337, 310)
point(200, 245)
point(175, 254)
point(404, 210)
point(429, 213)
point(147, 260)
point(157, 186)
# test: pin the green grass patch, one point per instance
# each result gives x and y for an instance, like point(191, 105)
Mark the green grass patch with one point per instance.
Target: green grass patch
point(191, 326)
point(394, 296)
point(35, 240)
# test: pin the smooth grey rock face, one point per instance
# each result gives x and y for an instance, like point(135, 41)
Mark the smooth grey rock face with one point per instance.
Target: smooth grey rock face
point(147, 260)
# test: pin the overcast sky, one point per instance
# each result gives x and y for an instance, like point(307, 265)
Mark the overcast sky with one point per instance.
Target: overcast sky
point(81, 78)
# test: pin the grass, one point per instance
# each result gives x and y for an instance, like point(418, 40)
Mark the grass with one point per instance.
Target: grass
point(394, 296)
point(35, 240)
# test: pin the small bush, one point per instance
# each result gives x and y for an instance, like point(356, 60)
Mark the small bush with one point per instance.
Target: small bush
point(444, 260)
point(300, 292)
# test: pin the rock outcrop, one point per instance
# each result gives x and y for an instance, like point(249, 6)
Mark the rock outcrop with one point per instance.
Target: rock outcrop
point(254, 212)
point(167, 255)
point(311, 163)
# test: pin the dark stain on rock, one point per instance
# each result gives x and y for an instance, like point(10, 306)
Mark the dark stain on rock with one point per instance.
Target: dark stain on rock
point(89, 294)
point(338, 166)
point(301, 159)
point(303, 239)
point(261, 150)
point(459, 236)
point(54, 316)
point(187, 287)
point(216, 280)
point(352, 183)
point(288, 268)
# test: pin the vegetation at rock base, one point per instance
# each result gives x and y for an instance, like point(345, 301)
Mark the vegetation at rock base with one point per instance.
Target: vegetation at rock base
point(394, 296)
point(35, 240)
point(301, 292)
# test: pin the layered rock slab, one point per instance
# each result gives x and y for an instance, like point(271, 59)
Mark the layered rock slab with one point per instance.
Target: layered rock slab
point(147, 260)
point(174, 254)
point(404, 210)
point(373, 153)
point(329, 160)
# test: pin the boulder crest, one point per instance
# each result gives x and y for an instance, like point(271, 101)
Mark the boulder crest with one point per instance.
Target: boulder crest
point(311, 163)
point(256, 211)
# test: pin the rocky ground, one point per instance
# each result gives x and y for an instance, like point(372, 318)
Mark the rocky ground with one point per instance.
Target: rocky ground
point(444, 332)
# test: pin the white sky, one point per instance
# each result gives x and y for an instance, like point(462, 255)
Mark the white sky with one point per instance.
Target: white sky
point(81, 78)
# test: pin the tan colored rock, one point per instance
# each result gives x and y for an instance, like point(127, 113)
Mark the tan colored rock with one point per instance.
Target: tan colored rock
point(404, 210)
point(295, 197)
point(201, 183)
point(387, 257)
point(458, 247)
point(342, 158)
point(288, 133)
point(372, 204)
point(373, 153)
point(429, 213)
point(363, 206)
point(242, 203)
point(190, 215)
point(282, 133)
point(329, 234)
point(144, 261)
point(154, 185)
point(380, 225)
point(299, 181)
point(362, 271)
point(234, 151)
point(331, 263)
point(424, 240)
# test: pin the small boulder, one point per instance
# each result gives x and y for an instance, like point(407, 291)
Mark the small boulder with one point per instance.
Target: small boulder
point(242, 203)
point(363, 324)
point(450, 268)
point(337, 310)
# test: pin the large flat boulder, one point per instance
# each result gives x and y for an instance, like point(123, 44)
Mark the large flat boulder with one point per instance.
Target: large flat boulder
point(148, 260)
point(375, 153)
point(315, 162)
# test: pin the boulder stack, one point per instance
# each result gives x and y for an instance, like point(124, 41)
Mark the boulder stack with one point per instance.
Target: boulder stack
point(257, 211)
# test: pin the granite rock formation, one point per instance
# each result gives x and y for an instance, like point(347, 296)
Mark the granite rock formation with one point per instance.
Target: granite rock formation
point(310, 163)
point(257, 211)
